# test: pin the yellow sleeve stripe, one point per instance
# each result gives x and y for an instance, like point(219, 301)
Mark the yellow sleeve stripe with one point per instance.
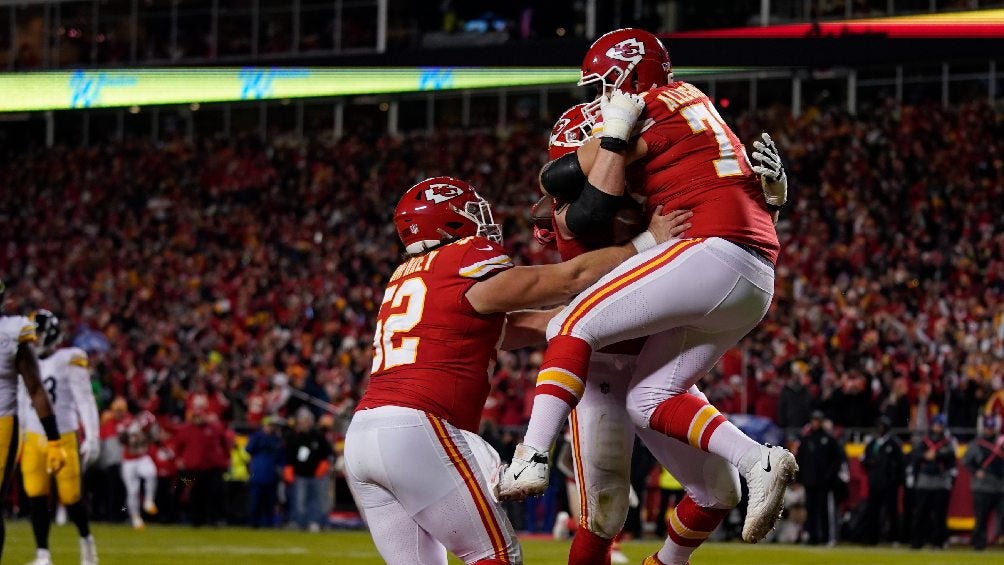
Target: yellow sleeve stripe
point(481, 267)
point(27, 333)
point(79, 361)
point(564, 379)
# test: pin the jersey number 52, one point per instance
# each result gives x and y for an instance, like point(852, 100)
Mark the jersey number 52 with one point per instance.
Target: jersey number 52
point(385, 354)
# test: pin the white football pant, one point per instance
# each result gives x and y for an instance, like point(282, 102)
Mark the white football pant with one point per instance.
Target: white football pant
point(423, 488)
point(135, 472)
point(602, 441)
point(694, 298)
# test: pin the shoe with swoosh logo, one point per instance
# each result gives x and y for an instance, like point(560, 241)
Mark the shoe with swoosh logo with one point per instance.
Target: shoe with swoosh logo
point(527, 475)
point(768, 476)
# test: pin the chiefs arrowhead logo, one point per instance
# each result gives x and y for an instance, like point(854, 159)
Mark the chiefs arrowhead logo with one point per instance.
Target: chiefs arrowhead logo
point(629, 50)
point(440, 193)
point(558, 128)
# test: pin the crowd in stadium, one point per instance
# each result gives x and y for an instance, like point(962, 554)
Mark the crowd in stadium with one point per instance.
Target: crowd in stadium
point(239, 280)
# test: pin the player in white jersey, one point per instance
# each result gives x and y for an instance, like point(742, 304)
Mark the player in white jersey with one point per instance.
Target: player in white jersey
point(17, 333)
point(67, 381)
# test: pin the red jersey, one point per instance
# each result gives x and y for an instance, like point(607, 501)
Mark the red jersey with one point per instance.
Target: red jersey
point(137, 434)
point(694, 162)
point(431, 350)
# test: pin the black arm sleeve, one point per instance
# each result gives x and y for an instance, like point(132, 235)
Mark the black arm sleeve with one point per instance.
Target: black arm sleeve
point(591, 217)
point(563, 178)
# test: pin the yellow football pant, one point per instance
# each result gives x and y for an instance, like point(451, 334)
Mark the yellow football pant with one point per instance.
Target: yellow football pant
point(8, 449)
point(37, 478)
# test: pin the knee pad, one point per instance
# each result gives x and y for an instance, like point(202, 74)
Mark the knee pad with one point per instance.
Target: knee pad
point(608, 511)
point(720, 488)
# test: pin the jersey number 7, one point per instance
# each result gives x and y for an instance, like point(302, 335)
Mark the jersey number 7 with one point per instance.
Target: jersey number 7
point(385, 354)
point(703, 115)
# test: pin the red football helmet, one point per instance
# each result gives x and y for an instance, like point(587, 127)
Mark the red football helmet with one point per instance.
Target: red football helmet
point(630, 59)
point(572, 129)
point(439, 210)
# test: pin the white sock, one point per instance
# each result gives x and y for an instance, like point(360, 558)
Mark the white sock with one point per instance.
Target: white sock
point(548, 416)
point(731, 443)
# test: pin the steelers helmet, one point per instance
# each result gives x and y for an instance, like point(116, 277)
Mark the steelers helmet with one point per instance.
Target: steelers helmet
point(47, 327)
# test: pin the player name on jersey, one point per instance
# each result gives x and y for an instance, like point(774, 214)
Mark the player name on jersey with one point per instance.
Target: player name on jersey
point(683, 94)
point(414, 265)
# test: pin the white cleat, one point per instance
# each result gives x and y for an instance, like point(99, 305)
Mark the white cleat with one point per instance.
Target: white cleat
point(617, 557)
point(42, 557)
point(60, 515)
point(527, 475)
point(88, 551)
point(767, 478)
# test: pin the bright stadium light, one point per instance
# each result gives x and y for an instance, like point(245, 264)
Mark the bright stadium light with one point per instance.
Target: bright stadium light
point(75, 89)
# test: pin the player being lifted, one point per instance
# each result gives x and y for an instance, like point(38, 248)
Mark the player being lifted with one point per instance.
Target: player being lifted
point(68, 383)
point(694, 298)
point(601, 428)
point(17, 356)
point(416, 466)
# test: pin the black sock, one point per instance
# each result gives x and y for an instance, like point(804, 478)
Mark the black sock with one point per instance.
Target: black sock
point(39, 509)
point(78, 513)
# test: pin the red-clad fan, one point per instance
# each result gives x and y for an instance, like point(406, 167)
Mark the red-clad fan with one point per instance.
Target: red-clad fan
point(694, 298)
point(419, 471)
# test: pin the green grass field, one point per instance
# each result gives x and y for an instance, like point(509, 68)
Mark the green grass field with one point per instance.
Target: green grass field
point(162, 545)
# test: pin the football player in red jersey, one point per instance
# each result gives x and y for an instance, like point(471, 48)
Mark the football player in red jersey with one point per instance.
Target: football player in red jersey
point(601, 428)
point(694, 298)
point(417, 468)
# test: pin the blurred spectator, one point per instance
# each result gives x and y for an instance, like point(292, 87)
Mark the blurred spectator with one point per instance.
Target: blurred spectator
point(236, 481)
point(796, 401)
point(203, 454)
point(820, 457)
point(109, 496)
point(791, 528)
point(670, 493)
point(885, 463)
point(308, 459)
point(267, 458)
point(165, 458)
point(933, 462)
point(985, 460)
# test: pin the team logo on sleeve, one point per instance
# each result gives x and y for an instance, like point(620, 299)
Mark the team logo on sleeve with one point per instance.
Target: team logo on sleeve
point(630, 50)
point(440, 193)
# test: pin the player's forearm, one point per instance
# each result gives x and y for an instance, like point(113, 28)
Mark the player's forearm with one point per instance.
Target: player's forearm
point(526, 328)
point(607, 173)
point(591, 267)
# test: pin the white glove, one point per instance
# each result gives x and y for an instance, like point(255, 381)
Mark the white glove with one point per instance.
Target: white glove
point(768, 165)
point(90, 449)
point(620, 112)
